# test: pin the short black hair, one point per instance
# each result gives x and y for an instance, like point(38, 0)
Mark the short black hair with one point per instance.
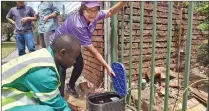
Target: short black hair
point(65, 41)
point(82, 8)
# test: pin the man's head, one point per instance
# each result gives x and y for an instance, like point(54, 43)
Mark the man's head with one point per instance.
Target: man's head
point(20, 3)
point(90, 9)
point(66, 49)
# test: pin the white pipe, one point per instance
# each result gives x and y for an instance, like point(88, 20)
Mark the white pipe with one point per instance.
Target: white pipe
point(107, 51)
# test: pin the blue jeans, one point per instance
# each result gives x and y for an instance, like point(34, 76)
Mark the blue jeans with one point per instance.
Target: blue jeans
point(25, 39)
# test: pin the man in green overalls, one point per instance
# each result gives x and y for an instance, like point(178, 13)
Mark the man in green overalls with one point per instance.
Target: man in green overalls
point(30, 82)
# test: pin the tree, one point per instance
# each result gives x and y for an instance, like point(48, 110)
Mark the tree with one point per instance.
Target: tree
point(5, 7)
point(7, 30)
point(203, 8)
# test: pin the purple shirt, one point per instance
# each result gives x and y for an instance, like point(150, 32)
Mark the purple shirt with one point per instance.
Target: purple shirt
point(76, 25)
point(18, 13)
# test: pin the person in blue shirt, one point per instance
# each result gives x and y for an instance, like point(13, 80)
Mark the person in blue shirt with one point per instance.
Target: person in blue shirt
point(47, 21)
point(47, 17)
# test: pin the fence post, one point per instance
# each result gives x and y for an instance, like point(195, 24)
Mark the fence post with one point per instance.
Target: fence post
point(114, 36)
point(141, 53)
point(153, 56)
point(170, 4)
point(122, 36)
point(188, 55)
point(130, 51)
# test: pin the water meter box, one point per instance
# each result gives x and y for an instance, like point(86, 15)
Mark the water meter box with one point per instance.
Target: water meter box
point(109, 101)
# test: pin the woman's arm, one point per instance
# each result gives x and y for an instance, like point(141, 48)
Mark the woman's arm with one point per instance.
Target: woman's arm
point(115, 9)
point(99, 57)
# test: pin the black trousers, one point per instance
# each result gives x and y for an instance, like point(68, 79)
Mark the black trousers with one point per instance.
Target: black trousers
point(77, 70)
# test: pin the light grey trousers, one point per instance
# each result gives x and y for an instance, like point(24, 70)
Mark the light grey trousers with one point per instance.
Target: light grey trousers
point(45, 38)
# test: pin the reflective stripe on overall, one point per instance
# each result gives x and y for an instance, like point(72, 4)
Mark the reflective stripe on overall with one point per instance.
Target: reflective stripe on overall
point(14, 69)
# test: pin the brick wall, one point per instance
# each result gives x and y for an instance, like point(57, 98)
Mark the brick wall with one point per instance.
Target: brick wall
point(93, 70)
point(161, 37)
point(198, 36)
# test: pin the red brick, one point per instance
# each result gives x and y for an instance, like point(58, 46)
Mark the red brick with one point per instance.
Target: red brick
point(94, 61)
point(87, 53)
point(100, 32)
point(136, 71)
point(100, 45)
point(99, 49)
point(93, 65)
point(94, 43)
point(98, 38)
point(94, 70)
point(99, 26)
point(135, 65)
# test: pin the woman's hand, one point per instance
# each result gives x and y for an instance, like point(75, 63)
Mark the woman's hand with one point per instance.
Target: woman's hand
point(115, 9)
point(110, 71)
point(99, 57)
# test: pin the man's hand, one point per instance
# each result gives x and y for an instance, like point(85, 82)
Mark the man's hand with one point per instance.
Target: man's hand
point(13, 23)
point(46, 18)
point(23, 20)
point(110, 71)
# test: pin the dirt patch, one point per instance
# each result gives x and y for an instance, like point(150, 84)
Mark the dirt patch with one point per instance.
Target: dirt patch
point(175, 91)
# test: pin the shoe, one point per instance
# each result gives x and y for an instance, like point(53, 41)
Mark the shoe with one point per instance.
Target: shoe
point(72, 91)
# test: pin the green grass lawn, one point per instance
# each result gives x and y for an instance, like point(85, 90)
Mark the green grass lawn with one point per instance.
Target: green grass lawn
point(7, 48)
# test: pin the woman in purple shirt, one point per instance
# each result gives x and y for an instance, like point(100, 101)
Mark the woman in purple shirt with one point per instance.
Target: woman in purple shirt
point(82, 23)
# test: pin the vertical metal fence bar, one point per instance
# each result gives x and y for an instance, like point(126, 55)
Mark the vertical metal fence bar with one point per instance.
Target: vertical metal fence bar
point(170, 6)
point(122, 36)
point(141, 53)
point(114, 36)
point(114, 40)
point(188, 55)
point(153, 56)
point(130, 51)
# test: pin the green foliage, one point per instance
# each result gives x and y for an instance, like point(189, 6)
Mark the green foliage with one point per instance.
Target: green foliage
point(7, 29)
point(204, 26)
point(5, 7)
point(203, 49)
point(203, 8)
point(202, 56)
point(185, 3)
